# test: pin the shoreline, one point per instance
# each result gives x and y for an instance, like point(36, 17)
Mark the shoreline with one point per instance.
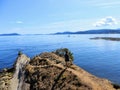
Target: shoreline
point(54, 62)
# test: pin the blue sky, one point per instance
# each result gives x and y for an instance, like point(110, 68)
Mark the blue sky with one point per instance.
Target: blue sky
point(49, 16)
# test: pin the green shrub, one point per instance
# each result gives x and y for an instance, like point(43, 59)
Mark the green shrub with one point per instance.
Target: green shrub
point(61, 52)
point(19, 53)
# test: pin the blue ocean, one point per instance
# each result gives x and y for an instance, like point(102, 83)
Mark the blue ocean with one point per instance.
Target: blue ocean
point(99, 57)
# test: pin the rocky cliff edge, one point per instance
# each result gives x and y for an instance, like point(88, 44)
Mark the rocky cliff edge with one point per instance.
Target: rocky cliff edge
point(48, 71)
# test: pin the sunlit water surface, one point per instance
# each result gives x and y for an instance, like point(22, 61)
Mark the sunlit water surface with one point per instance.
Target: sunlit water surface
point(99, 57)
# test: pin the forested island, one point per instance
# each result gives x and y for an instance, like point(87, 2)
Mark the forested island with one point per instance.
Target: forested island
point(10, 34)
point(98, 31)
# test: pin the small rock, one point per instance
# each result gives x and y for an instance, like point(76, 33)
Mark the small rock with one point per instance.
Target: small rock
point(5, 70)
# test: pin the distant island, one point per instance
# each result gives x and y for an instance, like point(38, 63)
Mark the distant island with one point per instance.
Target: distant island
point(10, 34)
point(106, 38)
point(99, 31)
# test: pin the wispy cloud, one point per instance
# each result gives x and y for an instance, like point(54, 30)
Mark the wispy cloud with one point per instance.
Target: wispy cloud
point(72, 25)
point(104, 3)
point(109, 4)
point(107, 21)
point(61, 26)
point(19, 22)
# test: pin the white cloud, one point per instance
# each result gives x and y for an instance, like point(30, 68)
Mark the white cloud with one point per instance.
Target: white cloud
point(19, 22)
point(106, 22)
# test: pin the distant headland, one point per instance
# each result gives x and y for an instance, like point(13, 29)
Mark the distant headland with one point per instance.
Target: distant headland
point(99, 31)
point(10, 34)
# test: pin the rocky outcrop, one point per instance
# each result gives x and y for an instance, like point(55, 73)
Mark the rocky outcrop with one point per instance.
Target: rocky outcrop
point(48, 71)
point(18, 76)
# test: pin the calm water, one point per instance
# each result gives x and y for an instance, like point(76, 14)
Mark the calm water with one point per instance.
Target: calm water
point(99, 57)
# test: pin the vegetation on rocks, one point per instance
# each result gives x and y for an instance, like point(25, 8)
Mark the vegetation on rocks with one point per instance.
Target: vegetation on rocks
point(47, 71)
point(107, 38)
point(5, 78)
point(61, 53)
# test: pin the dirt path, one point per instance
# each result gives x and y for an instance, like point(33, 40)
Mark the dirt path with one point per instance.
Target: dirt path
point(88, 79)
